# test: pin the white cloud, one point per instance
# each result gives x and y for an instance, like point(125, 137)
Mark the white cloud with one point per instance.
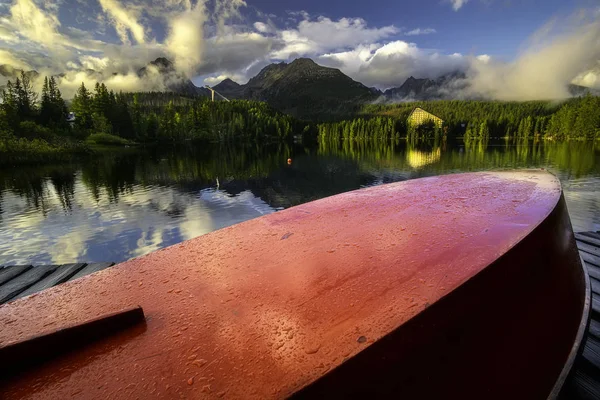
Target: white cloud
point(9, 58)
point(186, 37)
point(262, 27)
point(201, 43)
point(419, 31)
point(215, 80)
point(324, 35)
point(590, 78)
point(391, 64)
point(457, 4)
point(543, 70)
point(124, 21)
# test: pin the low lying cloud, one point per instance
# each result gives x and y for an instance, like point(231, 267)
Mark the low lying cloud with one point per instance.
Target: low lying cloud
point(391, 64)
point(544, 70)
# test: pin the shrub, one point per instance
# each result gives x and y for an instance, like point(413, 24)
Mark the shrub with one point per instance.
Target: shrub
point(107, 139)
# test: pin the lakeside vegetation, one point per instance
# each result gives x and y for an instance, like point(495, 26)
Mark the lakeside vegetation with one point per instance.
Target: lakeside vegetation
point(40, 124)
point(33, 124)
point(577, 118)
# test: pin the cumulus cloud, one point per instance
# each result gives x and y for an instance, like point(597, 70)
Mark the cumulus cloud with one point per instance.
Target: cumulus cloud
point(262, 27)
point(203, 41)
point(124, 21)
point(391, 64)
point(186, 37)
point(14, 61)
point(324, 35)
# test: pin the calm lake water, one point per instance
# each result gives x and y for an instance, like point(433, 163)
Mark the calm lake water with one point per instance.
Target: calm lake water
point(126, 203)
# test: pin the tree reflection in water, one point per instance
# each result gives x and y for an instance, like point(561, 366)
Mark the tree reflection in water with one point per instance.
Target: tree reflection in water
point(123, 204)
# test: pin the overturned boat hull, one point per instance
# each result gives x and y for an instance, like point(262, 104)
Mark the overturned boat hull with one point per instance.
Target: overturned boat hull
point(461, 286)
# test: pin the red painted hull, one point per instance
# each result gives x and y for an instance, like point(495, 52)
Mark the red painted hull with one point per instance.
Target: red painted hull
point(461, 286)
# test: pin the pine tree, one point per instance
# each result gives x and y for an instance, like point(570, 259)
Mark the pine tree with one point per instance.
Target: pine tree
point(59, 107)
point(9, 107)
point(82, 107)
point(26, 97)
point(46, 104)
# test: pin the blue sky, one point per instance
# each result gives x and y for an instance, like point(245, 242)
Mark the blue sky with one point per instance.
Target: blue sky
point(378, 42)
point(495, 27)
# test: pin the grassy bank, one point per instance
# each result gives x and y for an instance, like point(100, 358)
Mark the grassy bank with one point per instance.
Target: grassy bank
point(106, 139)
point(21, 150)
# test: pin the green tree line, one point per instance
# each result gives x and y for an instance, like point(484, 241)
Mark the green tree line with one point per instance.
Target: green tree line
point(27, 118)
point(577, 118)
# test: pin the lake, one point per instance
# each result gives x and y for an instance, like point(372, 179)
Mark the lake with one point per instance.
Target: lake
point(125, 203)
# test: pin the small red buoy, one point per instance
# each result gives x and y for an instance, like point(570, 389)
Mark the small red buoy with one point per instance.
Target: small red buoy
point(289, 161)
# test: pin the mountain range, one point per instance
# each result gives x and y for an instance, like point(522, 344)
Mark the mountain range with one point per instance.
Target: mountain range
point(301, 88)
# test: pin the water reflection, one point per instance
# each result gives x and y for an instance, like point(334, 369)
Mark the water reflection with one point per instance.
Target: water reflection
point(122, 205)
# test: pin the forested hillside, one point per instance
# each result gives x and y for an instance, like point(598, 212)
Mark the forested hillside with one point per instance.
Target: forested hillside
point(577, 118)
point(41, 122)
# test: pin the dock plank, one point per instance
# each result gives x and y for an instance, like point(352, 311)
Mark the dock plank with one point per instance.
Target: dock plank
point(595, 235)
point(593, 271)
point(90, 269)
point(591, 352)
point(588, 248)
point(9, 272)
point(584, 386)
point(24, 281)
point(587, 239)
point(596, 304)
point(60, 275)
point(594, 328)
point(595, 285)
point(589, 258)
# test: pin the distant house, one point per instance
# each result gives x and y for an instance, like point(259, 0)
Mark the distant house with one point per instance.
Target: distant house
point(71, 117)
point(419, 116)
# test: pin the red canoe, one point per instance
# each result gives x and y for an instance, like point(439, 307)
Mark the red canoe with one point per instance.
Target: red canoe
point(459, 286)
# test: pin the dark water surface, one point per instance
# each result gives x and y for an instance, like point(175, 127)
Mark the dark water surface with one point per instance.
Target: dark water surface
point(126, 203)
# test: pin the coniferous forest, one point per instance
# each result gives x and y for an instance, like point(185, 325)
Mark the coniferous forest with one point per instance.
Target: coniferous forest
point(42, 123)
point(577, 118)
point(35, 122)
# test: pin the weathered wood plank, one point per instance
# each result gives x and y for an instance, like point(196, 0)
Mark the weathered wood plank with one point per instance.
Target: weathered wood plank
point(595, 285)
point(7, 273)
point(584, 386)
point(60, 275)
point(593, 250)
point(23, 281)
point(596, 304)
point(591, 351)
point(593, 271)
point(90, 269)
point(589, 258)
point(594, 328)
point(595, 235)
point(587, 239)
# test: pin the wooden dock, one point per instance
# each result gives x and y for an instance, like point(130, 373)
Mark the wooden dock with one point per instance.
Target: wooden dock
point(583, 383)
point(18, 281)
point(584, 380)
